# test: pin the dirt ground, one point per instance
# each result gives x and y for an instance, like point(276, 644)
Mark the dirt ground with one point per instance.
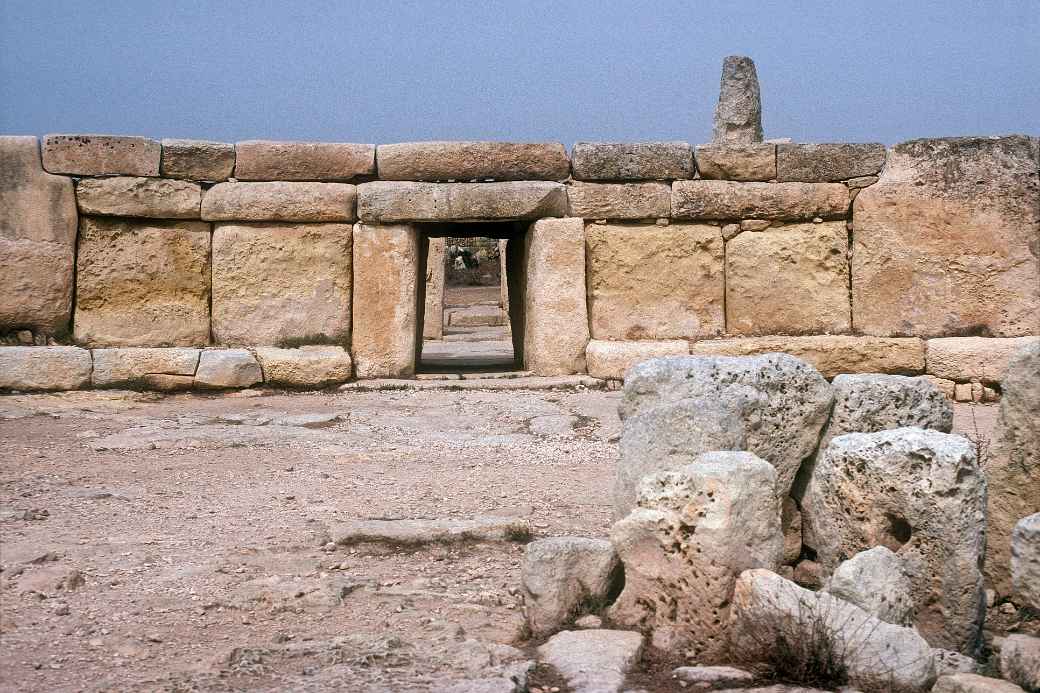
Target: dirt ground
point(178, 543)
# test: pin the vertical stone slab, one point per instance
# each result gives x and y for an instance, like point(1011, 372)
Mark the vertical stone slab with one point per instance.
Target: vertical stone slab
point(37, 240)
point(386, 276)
point(503, 273)
point(738, 115)
point(556, 329)
point(433, 322)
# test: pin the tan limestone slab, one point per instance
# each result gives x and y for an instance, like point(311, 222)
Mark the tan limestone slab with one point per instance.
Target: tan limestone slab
point(747, 162)
point(619, 200)
point(611, 359)
point(981, 359)
point(829, 162)
point(619, 161)
point(392, 201)
point(433, 320)
point(44, 368)
point(725, 200)
point(129, 366)
point(318, 161)
point(129, 196)
point(197, 160)
point(280, 201)
point(101, 155)
point(465, 161)
point(307, 366)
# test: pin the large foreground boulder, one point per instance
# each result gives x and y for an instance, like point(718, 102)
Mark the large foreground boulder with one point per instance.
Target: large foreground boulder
point(1020, 661)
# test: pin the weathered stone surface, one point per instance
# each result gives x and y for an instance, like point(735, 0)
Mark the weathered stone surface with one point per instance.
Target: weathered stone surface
point(101, 155)
point(336, 161)
point(747, 162)
point(790, 279)
point(307, 366)
point(593, 661)
point(37, 240)
point(387, 201)
point(655, 282)
point(1020, 661)
point(386, 266)
point(417, 532)
point(945, 243)
point(713, 678)
point(127, 196)
point(613, 359)
point(774, 618)
point(197, 160)
point(823, 163)
point(227, 368)
point(921, 494)
point(949, 662)
point(466, 161)
point(973, 683)
point(694, 531)
point(165, 382)
point(556, 325)
point(973, 358)
point(674, 408)
point(619, 200)
point(632, 160)
point(1025, 560)
point(876, 581)
point(276, 282)
point(725, 200)
point(280, 201)
point(791, 525)
point(738, 115)
point(433, 321)
point(564, 577)
point(829, 354)
point(130, 366)
point(142, 283)
point(44, 368)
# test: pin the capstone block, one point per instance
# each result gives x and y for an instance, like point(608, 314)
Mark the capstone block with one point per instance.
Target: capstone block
point(822, 163)
point(747, 162)
point(101, 155)
point(632, 161)
point(197, 160)
point(467, 161)
point(318, 161)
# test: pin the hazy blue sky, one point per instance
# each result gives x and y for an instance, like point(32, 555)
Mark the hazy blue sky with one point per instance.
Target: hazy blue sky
point(386, 71)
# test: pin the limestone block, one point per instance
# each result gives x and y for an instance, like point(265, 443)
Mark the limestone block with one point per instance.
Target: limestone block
point(655, 282)
point(693, 532)
point(632, 160)
point(921, 494)
point(945, 242)
point(823, 163)
point(725, 200)
point(1020, 661)
point(130, 366)
point(101, 155)
point(973, 683)
point(619, 200)
point(606, 359)
point(556, 326)
point(127, 196)
point(227, 368)
point(37, 241)
point(164, 382)
point(714, 678)
point(386, 294)
point(197, 160)
point(1025, 560)
point(875, 580)
point(274, 283)
point(279, 201)
point(565, 576)
point(335, 161)
point(305, 367)
point(965, 359)
point(593, 661)
point(44, 368)
point(467, 161)
point(747, 162)
point(738, 115)
point(790, 279)
point(142, 283)
point(829, 354)
point(388, 201)
point(433, 321)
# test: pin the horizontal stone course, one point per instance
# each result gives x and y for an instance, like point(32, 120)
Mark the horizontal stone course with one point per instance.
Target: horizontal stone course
point(611, 360)
point(280, 201)
point(726, 200)
point(307, 366)
point(129, 196)
point(129, 366)
point(465, 161)
point(197, 160)
point(318, 161)
point(822, 163)
point(619, 200)
point(101, 155)
point(619, 161)
point(749, 162)
point(391, 201)
point(979, 359)
point(44, 368)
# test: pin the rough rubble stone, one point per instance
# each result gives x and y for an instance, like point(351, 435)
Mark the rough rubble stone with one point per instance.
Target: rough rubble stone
point(197, 160)
point(466, 161)
point(791, 279)
point(774, 618)
point(824, 163)
point(593, 661)
point(727, 200)
point(829, 354)
point(101, 155)
point(979, 359)
point(949, 662)
point(655, 282)
point(37, 241)
point(673, 408)
point(563, 577)
point(306, 367)
point(619, 200)
point(390, 201)
point(612, 360)
point(945, 241)
point(130, 366)
point(280, 201)
point(386, 265)
point(126, 196)
point(44, 368)
point(1025, 560)
point(433, 321)
point(713, 678)
point(632, 160)
point(693, 532)
point(329, 161)
point(274, 282)
point(876, 581)
point(417, 532)
point(227, 368)
point(738, 115)
point(747, 162)
point(973, 683)
point(1020, 661)
point(142, 283)
point(921, 494)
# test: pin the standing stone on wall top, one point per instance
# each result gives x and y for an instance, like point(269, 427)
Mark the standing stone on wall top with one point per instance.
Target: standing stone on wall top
point(738, 115)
